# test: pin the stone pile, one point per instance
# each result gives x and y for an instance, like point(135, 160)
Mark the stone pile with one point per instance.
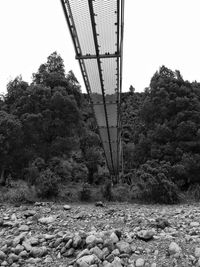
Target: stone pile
point(89, 236)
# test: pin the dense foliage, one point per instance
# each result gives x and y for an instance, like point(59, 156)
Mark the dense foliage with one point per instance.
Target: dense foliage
point(48, 136)
point(162, 125)
point(43, 130)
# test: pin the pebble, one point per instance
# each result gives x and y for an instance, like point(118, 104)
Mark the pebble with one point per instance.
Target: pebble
point(139, 262)
point(67, 207)
point(2, 255)
point(91, 240)
point(24, 228)
point(174, 248)
point(197, 252)
point(38, 252)
point(194, 224)
point(145, 235)
point(123, 247)
point(46, 220)
point(114, 238)
point(87, 238)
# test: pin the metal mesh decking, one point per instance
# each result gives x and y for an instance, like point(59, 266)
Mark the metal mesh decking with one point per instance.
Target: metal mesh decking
point(96, 28)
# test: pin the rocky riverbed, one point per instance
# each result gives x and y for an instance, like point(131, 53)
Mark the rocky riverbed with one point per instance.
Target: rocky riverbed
point(111, 235)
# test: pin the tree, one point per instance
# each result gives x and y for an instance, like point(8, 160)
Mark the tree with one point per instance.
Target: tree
point(131, 89)
point(51, 73)
point(15, 88)
point(92, 154)
point(10, 142)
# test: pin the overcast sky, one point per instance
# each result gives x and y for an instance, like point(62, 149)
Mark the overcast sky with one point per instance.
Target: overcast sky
point(157, 32)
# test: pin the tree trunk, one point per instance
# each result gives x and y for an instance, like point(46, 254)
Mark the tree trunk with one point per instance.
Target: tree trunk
point(3, 179)
point(90, 176)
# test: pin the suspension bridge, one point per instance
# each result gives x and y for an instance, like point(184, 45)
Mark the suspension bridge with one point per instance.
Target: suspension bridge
point(96, 28)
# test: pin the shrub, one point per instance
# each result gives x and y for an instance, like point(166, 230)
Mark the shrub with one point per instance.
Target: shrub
point(47, 184)
point(39, 163)
point(31, 174)
point(107, 191)
point(79, 172)
point(33, 171)
point(61, 167)
point(19, 192)
point(194, 192)
point(155, 183)
point(121, 193)
point(85, 192)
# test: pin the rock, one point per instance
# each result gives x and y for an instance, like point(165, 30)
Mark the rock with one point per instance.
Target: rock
point(13, 217)
point(107, 264)
point(4, 263)
point(80, 215)
point(27, 245)
point(34, 241)
point(67, 207)
point(29, 213)
point(48, 259)
point(34, 261)
point(2, 255)
point(162, 223)
point(69, 253)
point(48, 237)
point(116, 262)
point(118, 233)
point(23, 254)
point(97, 251)
point(139, 262)
point(15, 265)
point(116, 252)
point(19, 248)
point(110, 258)
point(123, 247)
point(38, 204)
point(77, 240)
point(83, 253)
point(174, 248)
point(86, 261)
point(194, 224)
point(114, 238)
point(47, 220)
point(4, 248)
point(24, 228)
point(69, 243)
point(67, 237)
point(197, 252)
point(63, 250)
point(9, 224)
point(38, 252)
point(91, 240)
point(105, 252)
point(13, 257)
point(99, 204)
point(18, 239)
point(145, 235)
point(57, 242)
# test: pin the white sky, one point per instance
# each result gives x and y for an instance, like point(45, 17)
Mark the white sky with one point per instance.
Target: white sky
point(157, 32)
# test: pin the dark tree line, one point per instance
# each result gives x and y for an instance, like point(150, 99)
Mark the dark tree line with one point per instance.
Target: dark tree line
point(43, 126)
point(48, 133)
point(162, 126)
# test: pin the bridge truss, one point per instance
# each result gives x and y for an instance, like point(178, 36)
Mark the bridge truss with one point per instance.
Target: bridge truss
point(96, 28)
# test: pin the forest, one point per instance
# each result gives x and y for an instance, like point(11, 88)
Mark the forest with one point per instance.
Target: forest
point(49, 142)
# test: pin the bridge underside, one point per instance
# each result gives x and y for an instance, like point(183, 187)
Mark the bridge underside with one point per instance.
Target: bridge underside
point(96, 28)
